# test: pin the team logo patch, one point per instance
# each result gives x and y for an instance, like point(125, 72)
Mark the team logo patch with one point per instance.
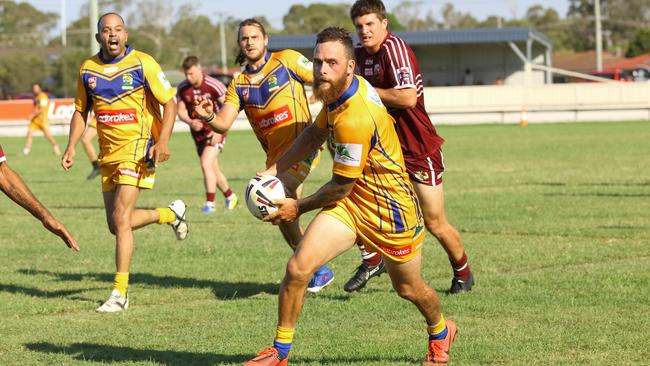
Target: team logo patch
point(274, 118)
point(127, 81)
point(273, 83)
point(118, 117)
point(404, 75)
point(348, 154)
point(245, 94)
point(304, 62)
point(92, 82)
point(422, 176)
point(163, 80)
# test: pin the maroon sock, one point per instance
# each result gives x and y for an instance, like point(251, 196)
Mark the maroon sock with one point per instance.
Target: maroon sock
point(227, 193)
point(369, 258)
point(209, 196)
point(461, 268)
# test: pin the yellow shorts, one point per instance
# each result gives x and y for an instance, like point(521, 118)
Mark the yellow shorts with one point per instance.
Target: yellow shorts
point(398, 247)
point(39, 123)
point(130, 173)
point(302, 169)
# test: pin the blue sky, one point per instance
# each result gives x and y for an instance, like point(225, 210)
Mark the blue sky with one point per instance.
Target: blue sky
point(247, 8)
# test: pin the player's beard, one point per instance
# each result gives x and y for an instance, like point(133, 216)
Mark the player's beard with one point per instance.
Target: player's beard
point(329, 90)
point(255, 58)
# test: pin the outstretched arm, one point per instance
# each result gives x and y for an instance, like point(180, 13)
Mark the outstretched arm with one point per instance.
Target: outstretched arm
point(308, 141)
point(219, 122)
point(398, 98)
point(14, 187)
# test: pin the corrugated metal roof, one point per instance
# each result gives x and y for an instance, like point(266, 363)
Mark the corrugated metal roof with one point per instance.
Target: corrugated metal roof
point(437, 37)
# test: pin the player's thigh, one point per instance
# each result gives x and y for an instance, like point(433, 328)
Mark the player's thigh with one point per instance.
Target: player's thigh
point(326, 238)
point(405, 274)
point(432, 199)
point(209, 155)
point(124, 198)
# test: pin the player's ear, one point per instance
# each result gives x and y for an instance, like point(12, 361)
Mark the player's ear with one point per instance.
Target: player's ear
point(97, 38)
point(266, 40)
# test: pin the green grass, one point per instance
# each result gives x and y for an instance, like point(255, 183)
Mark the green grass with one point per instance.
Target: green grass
point(555, 219)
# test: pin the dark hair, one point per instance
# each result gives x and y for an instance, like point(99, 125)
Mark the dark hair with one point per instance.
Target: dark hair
point(189, 62)
point(99, 21)
point(363, 7)
point(37, 83)
point(337, 34)
point(247, 22)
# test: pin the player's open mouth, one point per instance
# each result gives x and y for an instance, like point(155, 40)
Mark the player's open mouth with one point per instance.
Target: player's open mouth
point(113, 44)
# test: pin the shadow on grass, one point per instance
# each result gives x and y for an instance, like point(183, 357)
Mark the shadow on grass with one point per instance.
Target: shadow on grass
point(591, 184)
point(222, 290)
point(598, 194)
point(78, 207)
point(35, 292)
point(112, 354)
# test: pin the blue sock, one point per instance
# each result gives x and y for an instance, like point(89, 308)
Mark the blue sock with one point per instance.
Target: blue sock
point(439, 336)
point(283, 348)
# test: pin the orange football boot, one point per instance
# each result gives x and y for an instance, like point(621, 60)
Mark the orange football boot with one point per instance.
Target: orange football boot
point(439, 349)
point(268, 357)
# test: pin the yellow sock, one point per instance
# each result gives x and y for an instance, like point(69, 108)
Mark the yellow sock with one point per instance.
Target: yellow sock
point(284, 335)
point(121, 282)
point(438, 328)
point(166, 215)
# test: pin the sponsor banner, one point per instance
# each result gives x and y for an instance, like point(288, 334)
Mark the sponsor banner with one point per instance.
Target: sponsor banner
point(397, 251)
point(274, 118)
point(60, 110)
point(118, 117)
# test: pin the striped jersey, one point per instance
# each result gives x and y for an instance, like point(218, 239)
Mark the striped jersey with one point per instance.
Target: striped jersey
point(395, 66)
point(273, 97)
point(125, 94)
point(209, 88)
point(366, 147)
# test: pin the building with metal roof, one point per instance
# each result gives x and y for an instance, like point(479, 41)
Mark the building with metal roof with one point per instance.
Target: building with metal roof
point(492, 55)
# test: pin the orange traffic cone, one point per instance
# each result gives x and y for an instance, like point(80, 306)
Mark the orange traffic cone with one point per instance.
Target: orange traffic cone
point(523, 117)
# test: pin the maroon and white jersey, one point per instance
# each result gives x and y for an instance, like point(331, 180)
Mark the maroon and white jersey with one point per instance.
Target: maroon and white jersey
point(2, 155)
point(394, 67)
point(210, 88)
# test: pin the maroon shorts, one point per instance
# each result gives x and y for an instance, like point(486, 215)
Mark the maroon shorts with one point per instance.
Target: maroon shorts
point(203, 139)
point(426, 169)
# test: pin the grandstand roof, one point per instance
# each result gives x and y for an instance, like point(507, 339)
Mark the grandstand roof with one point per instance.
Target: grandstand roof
point(436, 37)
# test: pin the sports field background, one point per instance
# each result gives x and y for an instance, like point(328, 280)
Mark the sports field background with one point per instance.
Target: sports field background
point(555, 219)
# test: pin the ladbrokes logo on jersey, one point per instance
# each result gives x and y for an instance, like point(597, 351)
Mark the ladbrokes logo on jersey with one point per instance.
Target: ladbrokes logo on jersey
point(119, 117)
point(274, 118)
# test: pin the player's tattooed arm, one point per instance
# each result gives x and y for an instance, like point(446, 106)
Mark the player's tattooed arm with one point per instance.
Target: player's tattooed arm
point(333, 191)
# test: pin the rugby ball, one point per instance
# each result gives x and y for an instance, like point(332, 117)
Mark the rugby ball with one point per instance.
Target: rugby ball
point(260, 191)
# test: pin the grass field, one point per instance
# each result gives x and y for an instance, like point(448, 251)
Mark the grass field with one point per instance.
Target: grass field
point(555, 219)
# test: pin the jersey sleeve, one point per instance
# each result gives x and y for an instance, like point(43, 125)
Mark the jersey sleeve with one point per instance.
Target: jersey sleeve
point(232, 97)
point(81, 100)
point(43, 100)
point(156, 80)
point(400, 63)
point(352, 137)
point(300, 66)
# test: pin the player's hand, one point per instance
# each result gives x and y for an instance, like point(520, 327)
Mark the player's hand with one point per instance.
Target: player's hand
point(287, 211)
point(68, 158)
point(57, 228)
point(272, 170)
point(197, 125)
point(159, 153)
point(203, 107)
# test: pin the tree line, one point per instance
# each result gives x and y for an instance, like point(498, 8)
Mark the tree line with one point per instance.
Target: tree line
point(32, 50)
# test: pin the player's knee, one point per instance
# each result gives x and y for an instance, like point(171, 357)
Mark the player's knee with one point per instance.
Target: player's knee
point(435, 225)
point(121, 218)
point(406, 291)
point(297, 271)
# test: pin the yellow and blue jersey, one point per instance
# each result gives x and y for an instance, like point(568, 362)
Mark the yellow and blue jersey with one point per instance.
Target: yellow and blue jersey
point(43, 101)
point(366, 147)
point(125, 94)
point(273, 97)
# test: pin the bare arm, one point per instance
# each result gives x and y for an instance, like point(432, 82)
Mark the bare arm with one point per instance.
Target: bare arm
point(159, 152)
point(308, 141)
point(14, 187)
point(77, 127)
point(399, 98)
point(330, 193)
point(219, 122)
point(183, 114)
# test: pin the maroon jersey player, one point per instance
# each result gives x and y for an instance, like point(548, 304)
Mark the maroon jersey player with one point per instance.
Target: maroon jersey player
point(208, 143)
point(389, 64)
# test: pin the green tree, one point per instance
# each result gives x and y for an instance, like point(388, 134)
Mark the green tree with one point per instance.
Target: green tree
point(22, 25)
point(409, 13)
point(640, 44)
point(313, 18)
point(451, 18)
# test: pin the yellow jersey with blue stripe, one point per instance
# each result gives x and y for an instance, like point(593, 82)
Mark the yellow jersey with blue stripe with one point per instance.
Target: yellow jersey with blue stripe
point(273, 97)
point(43, 101)
point(382, 206)
point(125, 94)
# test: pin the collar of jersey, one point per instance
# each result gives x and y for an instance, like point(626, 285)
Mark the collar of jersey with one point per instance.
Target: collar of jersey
point(117, 59)
point(266, 58)
point(354, 86)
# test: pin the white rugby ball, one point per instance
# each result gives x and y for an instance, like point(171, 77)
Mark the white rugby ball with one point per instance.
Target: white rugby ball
point(260, 191)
